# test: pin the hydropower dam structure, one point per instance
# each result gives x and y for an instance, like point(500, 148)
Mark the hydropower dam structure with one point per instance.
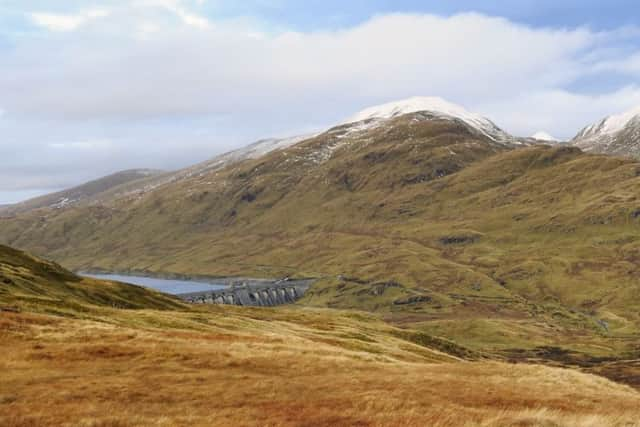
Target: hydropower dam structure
point(257, 293)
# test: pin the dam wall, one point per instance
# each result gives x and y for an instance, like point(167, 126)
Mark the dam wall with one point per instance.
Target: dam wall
point(252, 293)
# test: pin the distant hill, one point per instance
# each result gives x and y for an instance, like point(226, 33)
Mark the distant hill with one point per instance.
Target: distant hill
point(616, 135)
point(84, 193)
point(133, 184)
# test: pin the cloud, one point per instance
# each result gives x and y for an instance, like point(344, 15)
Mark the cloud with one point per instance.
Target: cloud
point(626, 65)
point(188, 18)
point(82, 145)
point(177, 7)
point(167, 85)
point(61, 22)
point(225, 68)
point(562, 111)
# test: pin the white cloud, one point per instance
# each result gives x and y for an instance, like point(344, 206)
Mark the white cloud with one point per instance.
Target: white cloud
point(562, 111)
point(628, 65)
point(227, 69)
point(191, 19)
point(178, 8)
point(82, 145)
point(61, 22)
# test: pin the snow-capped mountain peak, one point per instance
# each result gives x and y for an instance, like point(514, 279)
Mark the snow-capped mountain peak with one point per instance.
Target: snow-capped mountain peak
point(544, 136)
point(618, 134)
point(610, 125)
point(433, 105)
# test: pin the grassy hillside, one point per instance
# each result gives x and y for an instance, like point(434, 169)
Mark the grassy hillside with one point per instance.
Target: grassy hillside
point(155, 362)
point(36, 285)
point(305, 367)
point(512, 251)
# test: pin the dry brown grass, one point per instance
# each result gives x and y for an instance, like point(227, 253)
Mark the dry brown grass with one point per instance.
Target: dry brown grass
point(293, 367)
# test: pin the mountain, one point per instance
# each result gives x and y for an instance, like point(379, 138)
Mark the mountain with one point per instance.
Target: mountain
point(253, 151)
point(544, 136)
point(86, 193)
point(433, 107)
point(430, 218)
point(617, 135)
point(131, 185)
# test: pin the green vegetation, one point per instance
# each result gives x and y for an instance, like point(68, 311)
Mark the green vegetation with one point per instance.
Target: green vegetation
point(424, 222)
point(35, 285)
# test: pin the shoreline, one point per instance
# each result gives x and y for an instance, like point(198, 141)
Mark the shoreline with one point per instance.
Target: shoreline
point(212, 280)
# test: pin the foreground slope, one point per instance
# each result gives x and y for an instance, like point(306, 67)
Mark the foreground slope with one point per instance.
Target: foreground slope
point(302, 368)
point(33, 284)
point(524, 251)
point(99, 364)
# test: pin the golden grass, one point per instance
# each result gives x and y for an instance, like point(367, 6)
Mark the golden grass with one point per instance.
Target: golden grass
point(233, 367)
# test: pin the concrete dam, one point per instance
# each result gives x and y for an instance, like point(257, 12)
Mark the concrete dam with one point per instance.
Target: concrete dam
point(257, 293)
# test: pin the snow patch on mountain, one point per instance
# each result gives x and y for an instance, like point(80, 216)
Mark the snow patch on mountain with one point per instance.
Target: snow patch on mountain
point(433, 105)
point(618, 135)
point(265, 146)
point(543, 136)
point(610, 125)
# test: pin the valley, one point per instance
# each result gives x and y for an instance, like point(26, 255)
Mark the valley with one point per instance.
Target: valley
point(280, 213)
point(492, 242)
point(487, 279)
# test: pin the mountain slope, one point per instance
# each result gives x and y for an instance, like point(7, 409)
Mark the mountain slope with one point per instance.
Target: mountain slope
point(91, 191)
point(132, 184)
point(29, 283)
point(503, 247)
point(617, 135)
point(276, 368)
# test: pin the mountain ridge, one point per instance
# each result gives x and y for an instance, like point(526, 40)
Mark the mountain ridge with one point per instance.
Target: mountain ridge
point(618, 134)
point(86, 192)
point(428, 107)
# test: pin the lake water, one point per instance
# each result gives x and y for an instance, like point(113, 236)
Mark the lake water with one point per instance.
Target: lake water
point(169, 286)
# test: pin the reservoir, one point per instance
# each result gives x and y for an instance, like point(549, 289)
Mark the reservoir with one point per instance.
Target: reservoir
point(169, 286)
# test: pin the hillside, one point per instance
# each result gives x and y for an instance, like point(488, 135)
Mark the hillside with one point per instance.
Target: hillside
point(90, 192)
point(133, 184)
point(35, 285)
point(74, 353)
point(503, 247)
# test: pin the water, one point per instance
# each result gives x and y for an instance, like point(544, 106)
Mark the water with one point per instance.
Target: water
point(169, 286)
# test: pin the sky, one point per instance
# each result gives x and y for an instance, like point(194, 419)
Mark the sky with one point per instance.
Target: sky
point(91, 87)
